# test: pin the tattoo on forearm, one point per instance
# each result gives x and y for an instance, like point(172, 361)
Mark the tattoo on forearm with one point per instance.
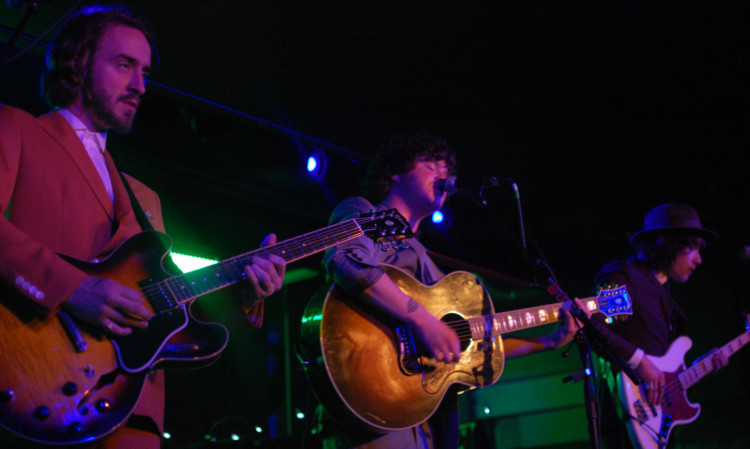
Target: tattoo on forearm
point(412, 306)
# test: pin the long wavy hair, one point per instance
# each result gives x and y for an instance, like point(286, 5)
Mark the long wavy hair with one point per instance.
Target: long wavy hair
point(399, 156)
point(70, 55)
point(659, 252)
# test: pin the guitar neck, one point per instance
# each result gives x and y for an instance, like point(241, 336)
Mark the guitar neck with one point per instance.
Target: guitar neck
point(515, 320)
point(699, 370)
point(188, 286)
point(611, 302)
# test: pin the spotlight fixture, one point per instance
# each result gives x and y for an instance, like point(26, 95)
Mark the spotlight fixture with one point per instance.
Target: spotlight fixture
point(316, 164)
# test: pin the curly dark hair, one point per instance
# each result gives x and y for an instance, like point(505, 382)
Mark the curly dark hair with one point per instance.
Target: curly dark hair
point(69, 55)
point(658, 253)
point(399, 156)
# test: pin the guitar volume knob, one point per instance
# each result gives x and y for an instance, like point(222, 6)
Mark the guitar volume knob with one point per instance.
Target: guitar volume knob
point(103, 405)
point(76, 428)
point(70, 388)
point(42, 412)
point(7, 395)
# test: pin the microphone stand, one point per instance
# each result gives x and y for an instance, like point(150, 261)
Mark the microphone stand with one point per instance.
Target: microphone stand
point(588, 374)
point(584, 333)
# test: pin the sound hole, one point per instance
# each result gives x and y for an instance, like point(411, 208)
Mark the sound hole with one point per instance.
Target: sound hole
point(462, 328)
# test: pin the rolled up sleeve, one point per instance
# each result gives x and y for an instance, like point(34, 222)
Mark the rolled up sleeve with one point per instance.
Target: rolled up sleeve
point(353, 265)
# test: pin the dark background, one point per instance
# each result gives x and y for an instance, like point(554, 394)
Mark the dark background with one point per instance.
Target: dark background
point(597, 111)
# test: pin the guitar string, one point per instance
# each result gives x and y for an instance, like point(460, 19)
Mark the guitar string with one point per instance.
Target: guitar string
point(675, 386)
point(330, 236)
point(463, 328)
point(287, 247)
point(527, 317)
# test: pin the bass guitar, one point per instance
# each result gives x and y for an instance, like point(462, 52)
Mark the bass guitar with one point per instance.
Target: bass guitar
point(649, 426)
point(63, 382)
point(366, 369)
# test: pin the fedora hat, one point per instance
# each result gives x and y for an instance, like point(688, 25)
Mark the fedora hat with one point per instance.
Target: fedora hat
point(669, 218)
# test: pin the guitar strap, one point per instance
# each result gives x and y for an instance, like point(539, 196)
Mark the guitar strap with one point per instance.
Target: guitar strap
point(146, 225)
point(139, 214)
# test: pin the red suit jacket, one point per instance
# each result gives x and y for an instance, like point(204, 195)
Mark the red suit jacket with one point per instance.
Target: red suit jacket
point(52, 200)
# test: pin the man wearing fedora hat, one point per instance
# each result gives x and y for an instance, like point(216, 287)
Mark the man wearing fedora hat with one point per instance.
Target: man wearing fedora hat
point(668, 248)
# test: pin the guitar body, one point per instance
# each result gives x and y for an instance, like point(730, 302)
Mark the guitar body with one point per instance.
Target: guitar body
point(649, 427)
point(173, 334)
point(38, 361)
point(367, 370)
point(52, 393)
point(63, 383)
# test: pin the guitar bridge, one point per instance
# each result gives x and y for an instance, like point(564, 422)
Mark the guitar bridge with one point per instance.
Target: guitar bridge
point(640, 412)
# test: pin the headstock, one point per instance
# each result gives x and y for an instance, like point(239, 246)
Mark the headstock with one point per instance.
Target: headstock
point(384, 225)
point(613, 302)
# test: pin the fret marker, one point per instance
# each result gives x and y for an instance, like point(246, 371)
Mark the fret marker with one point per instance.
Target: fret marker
point(529, 318)
point(543, 316)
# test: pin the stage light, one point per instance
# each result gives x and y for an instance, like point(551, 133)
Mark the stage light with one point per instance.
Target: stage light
point(299, 414)
point(312, 164)
point(235, 437)
point(167, 435)
point(441, 219)
point(258, 429)
point(316, 164)
point(317, 317)
point(188, 263)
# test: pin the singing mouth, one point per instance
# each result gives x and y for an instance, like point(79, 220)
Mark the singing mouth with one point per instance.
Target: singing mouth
point(132, 102)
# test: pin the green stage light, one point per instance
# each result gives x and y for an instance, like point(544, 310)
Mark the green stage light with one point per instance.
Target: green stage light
point(188, 263)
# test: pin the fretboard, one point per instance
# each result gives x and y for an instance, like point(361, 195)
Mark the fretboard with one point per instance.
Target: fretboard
point(516, 320)
point(699, 370)
point(504, 322)
point(181, 288)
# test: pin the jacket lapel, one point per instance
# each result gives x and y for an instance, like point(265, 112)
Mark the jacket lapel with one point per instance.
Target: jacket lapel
point(60, 130)
point(126, 224)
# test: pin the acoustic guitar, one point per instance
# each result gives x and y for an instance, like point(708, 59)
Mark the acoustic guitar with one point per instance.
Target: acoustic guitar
point(63, 382)
point(368, 370)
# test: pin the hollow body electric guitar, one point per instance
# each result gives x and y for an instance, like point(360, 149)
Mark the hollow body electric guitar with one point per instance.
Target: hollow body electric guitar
point(63, 382)
point(368, 370)
point(649, 426)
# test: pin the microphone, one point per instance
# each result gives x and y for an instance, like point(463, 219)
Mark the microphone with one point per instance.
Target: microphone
point(447, 185)
point(451, 185)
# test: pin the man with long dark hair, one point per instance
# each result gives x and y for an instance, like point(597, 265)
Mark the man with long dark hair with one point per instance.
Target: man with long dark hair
point(668, 248)
point(61, 194)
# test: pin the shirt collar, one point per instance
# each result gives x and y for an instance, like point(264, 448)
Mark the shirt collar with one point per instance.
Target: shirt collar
point(80, 128)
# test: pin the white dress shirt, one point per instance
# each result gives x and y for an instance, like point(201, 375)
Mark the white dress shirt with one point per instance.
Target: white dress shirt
point(95, 144)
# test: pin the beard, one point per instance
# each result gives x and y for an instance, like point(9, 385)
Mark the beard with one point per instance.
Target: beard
point(101, 106)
